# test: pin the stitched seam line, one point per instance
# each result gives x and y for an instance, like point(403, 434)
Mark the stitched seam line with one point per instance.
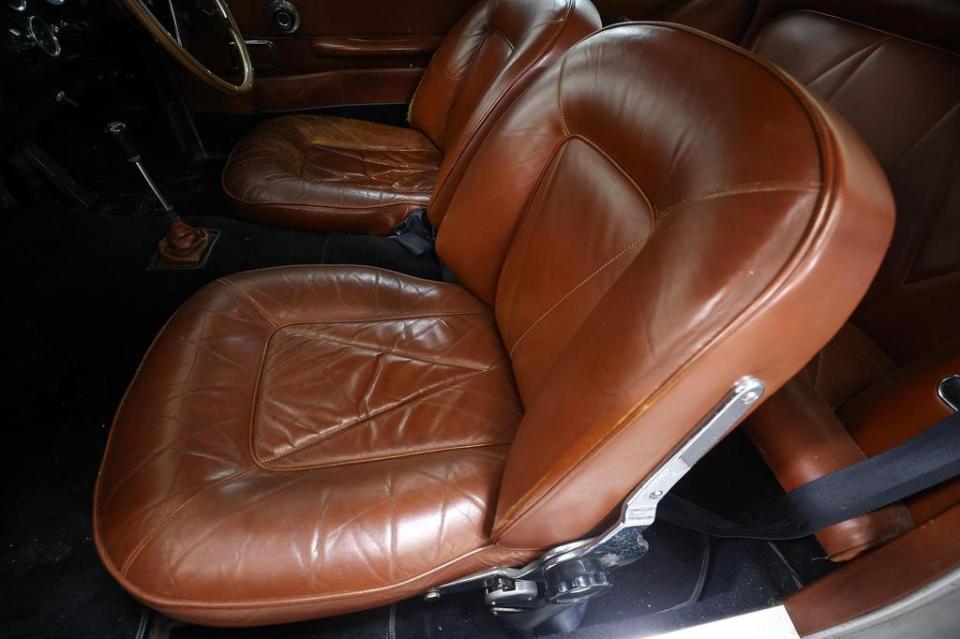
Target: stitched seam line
point(306, 599)
point(256, 305)
point(382, 458)
point(135, 553)
point(420, 394)
point(743, 189)
point(305, 206)
point(643, 194)
point(394, 351)
point(854, 71)
point(866, 51)
point(582, 282)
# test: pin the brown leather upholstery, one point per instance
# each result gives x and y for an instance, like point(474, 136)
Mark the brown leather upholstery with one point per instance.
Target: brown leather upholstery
point(347, 174)
point(309, 441)
point(333, 174)
point(904, 98)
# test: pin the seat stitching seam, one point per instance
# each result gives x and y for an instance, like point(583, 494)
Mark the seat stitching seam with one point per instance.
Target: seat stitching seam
point(744, 189)
point(376, 320)
point(933, 213)
point(301, 600)
point(383, 458)
point(300, 206)
point(643, 194)
point(392, 351)
point(256, 305)
point(867, 50)
point(135, 553)
point(421, 393)
point(563, 120)
point(855, 70)
point(582, 282)
point(923, 138)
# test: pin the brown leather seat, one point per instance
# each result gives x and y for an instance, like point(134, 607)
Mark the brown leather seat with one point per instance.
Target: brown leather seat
point(313, 440)
point(336, 174)
point(876, 383)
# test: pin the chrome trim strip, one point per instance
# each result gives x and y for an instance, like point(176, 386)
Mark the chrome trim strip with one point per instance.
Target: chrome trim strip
point(949, 391)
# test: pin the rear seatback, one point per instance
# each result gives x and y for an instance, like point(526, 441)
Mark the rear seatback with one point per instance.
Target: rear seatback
point(878, 379)
point(892, 69)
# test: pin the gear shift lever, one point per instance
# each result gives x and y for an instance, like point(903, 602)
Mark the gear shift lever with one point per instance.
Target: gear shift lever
point(128, 145)
point(184, 246)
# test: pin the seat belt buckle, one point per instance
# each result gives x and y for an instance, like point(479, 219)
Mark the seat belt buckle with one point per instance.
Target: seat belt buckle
point(415, 233)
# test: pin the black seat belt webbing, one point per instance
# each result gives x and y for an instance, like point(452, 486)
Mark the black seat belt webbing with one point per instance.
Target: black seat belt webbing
point(919, 463)
point(416, 233)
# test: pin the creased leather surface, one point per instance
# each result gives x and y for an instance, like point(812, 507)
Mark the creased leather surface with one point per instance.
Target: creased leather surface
point(601, 252)
point(217, 486)
point(331, 174)
point(648, 243)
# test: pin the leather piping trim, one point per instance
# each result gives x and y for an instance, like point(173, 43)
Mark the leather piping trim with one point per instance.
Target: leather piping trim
point(173, 515)
point(381, 458)
point(363, 267)
point(165, 602)
point(818, 225)
point(300, 206)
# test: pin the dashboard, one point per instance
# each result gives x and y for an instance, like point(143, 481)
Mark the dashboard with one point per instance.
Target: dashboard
point(38, 25)
point(56, 55)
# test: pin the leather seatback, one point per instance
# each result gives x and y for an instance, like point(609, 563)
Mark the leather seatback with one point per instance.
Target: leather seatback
point(668, 231)
point(489, 56)
point(903, 97)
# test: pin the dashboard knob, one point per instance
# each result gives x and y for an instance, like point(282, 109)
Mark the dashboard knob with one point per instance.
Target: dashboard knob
point(284, 15)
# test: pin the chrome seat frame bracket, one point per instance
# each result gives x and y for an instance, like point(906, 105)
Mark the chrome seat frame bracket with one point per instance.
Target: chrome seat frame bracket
point(623, 543)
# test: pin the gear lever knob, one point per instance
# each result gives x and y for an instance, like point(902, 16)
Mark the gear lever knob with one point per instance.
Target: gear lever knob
point(121, 134)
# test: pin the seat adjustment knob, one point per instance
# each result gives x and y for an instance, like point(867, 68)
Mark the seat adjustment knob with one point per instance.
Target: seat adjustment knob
point(576, 580)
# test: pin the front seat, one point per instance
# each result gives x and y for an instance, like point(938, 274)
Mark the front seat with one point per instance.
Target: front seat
point(337, 174)
point(658, 216)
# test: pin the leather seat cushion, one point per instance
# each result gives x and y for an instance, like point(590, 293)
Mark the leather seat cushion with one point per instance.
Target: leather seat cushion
point(331, 174)
point(279, 427)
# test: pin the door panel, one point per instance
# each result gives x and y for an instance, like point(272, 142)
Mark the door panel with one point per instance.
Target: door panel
point(345, 52)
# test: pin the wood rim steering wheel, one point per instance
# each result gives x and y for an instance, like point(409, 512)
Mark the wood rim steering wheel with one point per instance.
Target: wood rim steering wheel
point(175, 48)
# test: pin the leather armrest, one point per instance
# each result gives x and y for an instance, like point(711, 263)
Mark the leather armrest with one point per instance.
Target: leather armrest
point(363, 47)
